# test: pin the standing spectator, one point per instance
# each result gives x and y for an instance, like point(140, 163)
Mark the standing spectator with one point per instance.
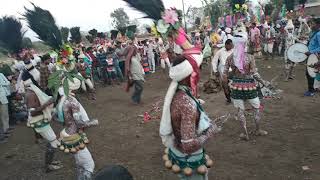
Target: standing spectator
point(120, 48)
point(255, 43)
point(135, 73)
point(84, 67)
point(102, 58)
point(111, 67)
point(198, 42)
point(150, 53)
point(95, 64)
point(4, 112)
point(118, 71)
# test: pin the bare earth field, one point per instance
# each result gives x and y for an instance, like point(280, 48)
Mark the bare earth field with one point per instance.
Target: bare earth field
point(293, 123)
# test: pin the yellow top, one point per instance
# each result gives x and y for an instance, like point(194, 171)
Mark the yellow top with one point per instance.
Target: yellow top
point(215, 38)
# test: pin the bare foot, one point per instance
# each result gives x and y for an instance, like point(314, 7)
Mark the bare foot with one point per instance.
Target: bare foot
point(244, 137)
point(261, 133)
point(53, 167)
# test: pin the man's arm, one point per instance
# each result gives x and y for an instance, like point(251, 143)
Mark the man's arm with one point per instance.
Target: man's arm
point(317, 49)
point(124, 52)
point(48, 103)
point(215, 60)
point(128, 60)
point(71, 111)
point(31, 102)
point(226, 69)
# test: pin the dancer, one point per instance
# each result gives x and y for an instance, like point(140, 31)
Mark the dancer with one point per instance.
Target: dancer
point(243, 85)
point(73, 139)
point(40, 107)
point(289, 41)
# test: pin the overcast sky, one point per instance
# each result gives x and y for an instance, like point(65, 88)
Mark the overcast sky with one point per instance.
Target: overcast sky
point(87, 14)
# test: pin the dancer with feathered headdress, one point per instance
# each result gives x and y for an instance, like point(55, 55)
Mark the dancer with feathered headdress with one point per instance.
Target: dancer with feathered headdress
point(63, 82)
point(184, 126)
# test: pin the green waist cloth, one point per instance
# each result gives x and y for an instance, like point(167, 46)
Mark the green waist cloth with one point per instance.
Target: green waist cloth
point(74, 140)
point(192, 161)
point(243, 89)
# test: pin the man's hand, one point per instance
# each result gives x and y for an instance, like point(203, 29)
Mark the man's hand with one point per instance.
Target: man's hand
point(225, 79)
point(128, 73)
point(308, 53)
point(217, 74)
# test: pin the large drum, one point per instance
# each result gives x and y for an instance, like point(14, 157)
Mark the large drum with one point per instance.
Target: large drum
point(296, 52)
point(312, 59)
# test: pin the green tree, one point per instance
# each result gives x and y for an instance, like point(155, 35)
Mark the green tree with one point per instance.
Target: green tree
point(215, 9)
point(75, 35)
point(119, 18)
point(64, 34)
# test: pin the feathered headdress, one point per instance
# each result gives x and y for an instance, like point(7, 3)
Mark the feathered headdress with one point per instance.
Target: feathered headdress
point(152, 8)
point(166, 20)
point(131, 30)
point(114, 34)
point(11, 34)
point(43, 24)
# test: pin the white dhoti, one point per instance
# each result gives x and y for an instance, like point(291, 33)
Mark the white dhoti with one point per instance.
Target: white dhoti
point(316, 84)
point(84, 160)
point(268, 47)
point(164, 62)
point(48, 134)
point(239, 103)
point(87, 82)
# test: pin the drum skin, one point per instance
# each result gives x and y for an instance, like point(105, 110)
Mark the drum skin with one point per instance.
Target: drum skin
point(296, 52)
point(312, 59)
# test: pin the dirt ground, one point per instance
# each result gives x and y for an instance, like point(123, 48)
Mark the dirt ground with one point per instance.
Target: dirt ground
point(293, 124)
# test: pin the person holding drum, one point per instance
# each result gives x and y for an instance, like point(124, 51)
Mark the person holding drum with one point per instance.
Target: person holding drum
point(314, 48)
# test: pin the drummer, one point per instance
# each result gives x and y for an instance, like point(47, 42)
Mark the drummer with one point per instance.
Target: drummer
point(314, 48)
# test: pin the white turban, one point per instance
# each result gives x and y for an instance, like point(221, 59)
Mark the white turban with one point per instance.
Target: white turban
point(228, 30)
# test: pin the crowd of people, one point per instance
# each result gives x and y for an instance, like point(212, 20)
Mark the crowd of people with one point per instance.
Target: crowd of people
point(27, 92)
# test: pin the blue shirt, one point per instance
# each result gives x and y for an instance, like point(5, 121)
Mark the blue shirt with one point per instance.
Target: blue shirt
point(102, 57)
point(314, 43)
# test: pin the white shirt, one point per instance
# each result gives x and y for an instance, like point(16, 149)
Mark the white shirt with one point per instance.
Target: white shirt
point(151, 47)
point(4, 89)
point(221, 55)
point(224, 39)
